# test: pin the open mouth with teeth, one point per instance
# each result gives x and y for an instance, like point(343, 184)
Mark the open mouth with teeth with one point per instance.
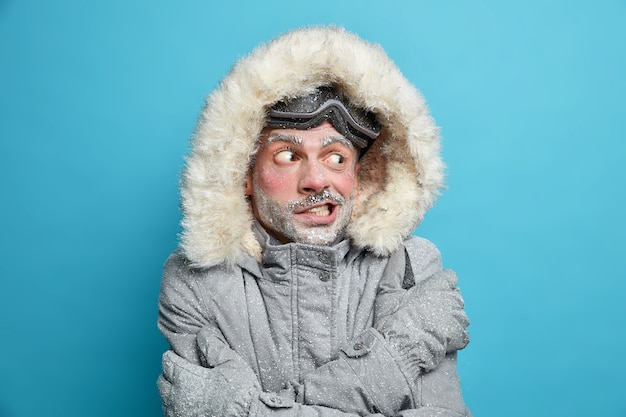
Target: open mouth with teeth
point(319, 215)
point(324, 210)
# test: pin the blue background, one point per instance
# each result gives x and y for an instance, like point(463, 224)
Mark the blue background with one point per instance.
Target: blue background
point(98, 100)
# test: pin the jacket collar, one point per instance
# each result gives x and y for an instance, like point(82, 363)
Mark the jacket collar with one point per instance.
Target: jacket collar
point(282, 257)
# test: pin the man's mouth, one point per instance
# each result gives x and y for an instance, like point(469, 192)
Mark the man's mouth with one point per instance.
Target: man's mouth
point(318, 209)
point(323, 210)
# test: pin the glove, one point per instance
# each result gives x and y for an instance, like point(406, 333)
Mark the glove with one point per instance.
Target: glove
point(227, 388)
point(429, 322)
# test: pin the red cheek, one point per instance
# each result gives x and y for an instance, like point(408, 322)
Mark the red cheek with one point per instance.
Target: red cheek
point(272, 180)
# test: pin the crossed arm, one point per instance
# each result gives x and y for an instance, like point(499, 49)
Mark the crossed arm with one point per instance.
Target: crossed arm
point(227, 386)
point(386, 370)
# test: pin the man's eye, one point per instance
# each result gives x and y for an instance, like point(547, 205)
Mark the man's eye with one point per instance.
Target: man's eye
point(336, 158)
point(285, 156)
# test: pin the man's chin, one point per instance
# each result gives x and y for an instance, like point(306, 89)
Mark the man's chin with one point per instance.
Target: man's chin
point(321, 235)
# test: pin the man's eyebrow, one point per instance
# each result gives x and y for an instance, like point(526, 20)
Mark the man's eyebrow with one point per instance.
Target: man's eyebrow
point(297, 140)
point(280, 137)
point(337, 138)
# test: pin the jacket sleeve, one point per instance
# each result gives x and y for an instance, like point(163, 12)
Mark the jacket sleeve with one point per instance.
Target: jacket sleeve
point(367, 377)
point(370, 375)
point(439, 392)
point(228, 389)
point(181, 308)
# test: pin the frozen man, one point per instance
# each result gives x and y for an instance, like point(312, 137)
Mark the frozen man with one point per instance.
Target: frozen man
point(298, 288)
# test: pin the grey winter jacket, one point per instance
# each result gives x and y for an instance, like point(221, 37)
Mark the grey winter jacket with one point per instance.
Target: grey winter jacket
point(304, 318)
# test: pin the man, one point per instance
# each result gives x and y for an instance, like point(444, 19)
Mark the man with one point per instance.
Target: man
point(298, 289)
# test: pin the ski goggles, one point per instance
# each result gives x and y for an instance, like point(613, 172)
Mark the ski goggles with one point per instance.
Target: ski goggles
point(326, 103)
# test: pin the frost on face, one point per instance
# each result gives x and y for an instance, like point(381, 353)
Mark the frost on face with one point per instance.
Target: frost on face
point(280, 219)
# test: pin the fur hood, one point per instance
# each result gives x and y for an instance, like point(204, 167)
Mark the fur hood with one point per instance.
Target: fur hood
point(399, 177)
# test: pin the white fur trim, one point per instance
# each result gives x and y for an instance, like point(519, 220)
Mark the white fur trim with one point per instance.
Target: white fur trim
point(400, 175)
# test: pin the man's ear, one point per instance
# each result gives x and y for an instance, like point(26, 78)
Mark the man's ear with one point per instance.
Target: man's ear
point(248, 185)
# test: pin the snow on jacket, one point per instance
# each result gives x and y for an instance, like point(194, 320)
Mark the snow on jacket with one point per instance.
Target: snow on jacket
point(294, 312)
point(296, 318)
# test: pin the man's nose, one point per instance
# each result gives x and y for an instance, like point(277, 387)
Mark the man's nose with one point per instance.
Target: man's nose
point(312, 179)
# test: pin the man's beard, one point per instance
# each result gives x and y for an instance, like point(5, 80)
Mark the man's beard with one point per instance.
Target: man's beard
point(279, 219)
